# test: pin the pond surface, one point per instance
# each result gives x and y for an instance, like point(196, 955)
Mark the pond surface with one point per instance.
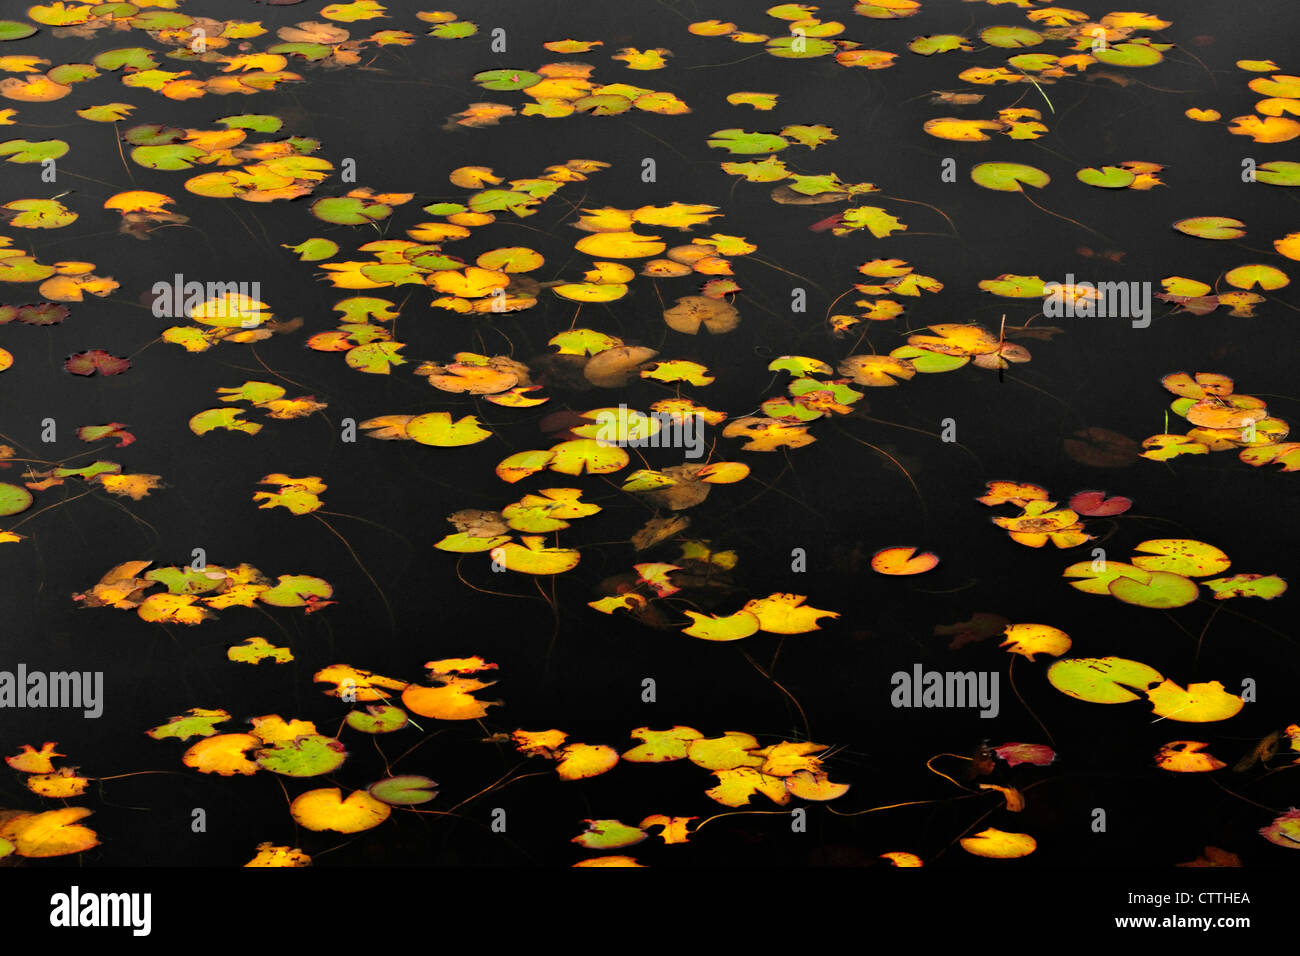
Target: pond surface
point(806, 520)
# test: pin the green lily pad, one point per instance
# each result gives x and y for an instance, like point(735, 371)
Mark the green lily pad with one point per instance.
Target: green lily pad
point(507, 79)
point(495, 200)
point(107, 113)
point(186, 580)
point(456, 30)
point(872, 218)
point(196, 722)
point(69, 73)
point(445, 208)
point(349, 210)
point(738, 142)
point(799, 366)
point(1266, 586)
point(40, 214)
point(226, 418)
point(604, 104)
point(359, 308)
point(378, 719)
point(86, 472)
point(314, 249)
point(1212, 227)
point(800, 48)
point(307, 756)
point(1097, 580)
point(13, 30)
point(404, 790)
point(171, 156)
point(1009, 38)
point(254, 650)
point(136, 57)
point(817, 185)
point(1008, 177)
point(13, 499)
point(23, 269)
point(1129, 54)
point(394, 273)
point(1103, 680)
point(257, 122)
point(1106, 177)
point(1033, 62)
point(839, 392)
point(939, 43)
point(784, 408)
point(308, 51)
point(153, 134)
point(255, 392)
point(1011, 286)
point(1161, 589)
point(292, 590)
point(925, 361)
point(1279, 172)
point(160, 20)
point(435, 261)
point(25, 151)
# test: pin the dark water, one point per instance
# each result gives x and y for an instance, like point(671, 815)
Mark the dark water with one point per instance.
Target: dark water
point(581, 671)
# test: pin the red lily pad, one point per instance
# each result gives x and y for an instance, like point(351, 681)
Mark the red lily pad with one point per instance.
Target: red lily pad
point(96, 360)
point(1095, 504)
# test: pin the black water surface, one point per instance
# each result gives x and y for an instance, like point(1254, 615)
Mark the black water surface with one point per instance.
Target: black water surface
point(583, 672)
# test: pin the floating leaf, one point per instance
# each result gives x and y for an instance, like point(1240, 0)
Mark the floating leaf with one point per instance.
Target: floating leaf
point(1267, 278)
point(1247, 585)
point(404, 790)
point(309, 755)
point(1039, 755)
point(1212, 227)
point(787, 614)
point(1159, 589)
point(581, 761)
point(378, 719)
point(223, 754)
point(902, 561)
point(49, 834)
point(999, 844)
point(1008, 177)
point(1187, 756)
point(740, 142)
point(1103, 680)
point(326, 809)
point(1095, 504)
point(254, 650)
point(1030, 639)
point(1199, 703)
point(733, 627)
point(1181, 556)
point(1283, 831)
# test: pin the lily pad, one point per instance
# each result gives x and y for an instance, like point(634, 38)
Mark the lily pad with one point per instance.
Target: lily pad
point(1009, 177)
point(405, 790)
